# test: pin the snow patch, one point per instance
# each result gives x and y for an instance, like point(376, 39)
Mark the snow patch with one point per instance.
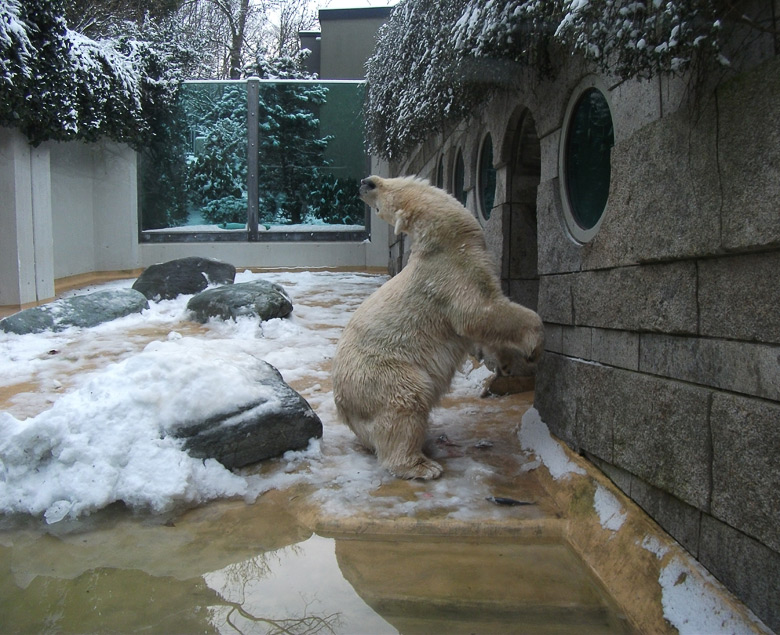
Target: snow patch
point(535, 436)
point(100, 443)
point(610, 511)
point(691, 607)
point(653, 545)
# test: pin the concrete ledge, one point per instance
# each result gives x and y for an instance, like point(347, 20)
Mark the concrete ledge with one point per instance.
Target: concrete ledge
point(622, 558)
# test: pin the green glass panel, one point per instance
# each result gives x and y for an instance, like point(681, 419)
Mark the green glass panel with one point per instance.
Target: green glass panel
point(311, 157)
point(588, 148)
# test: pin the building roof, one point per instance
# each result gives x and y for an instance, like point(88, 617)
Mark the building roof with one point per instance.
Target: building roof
point(357, 13)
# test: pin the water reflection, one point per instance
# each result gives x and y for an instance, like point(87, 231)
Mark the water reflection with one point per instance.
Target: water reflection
point(229, 567)
point(226, 567)
point(297, 589)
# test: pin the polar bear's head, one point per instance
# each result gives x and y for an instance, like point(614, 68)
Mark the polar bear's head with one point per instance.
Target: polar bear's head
point(385, 196)
point(413, 206)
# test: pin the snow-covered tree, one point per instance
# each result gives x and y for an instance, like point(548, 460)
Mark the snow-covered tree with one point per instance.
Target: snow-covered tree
point(415, 83)
point(56, 83)
point(291, 17)
point(292, 151)
point(97, 18)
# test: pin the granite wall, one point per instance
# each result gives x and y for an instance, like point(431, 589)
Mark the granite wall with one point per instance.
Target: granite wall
point(663, 332)
point(662, 360)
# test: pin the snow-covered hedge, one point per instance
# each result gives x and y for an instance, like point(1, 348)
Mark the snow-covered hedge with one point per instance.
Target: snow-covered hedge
point(436, 59)
point(58, 84)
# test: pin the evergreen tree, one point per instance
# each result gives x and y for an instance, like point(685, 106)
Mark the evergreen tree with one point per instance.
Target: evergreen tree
point(291, 149)
point(292, 152)
point(217, 167)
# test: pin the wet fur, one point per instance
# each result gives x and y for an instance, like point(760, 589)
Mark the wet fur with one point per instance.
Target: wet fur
point(399, 352)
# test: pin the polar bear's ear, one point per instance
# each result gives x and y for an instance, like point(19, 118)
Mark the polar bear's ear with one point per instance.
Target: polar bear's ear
point(401, 222)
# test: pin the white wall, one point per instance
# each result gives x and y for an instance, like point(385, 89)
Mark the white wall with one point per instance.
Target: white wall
point(26, 264)
point(71, 208)
point(94, 203)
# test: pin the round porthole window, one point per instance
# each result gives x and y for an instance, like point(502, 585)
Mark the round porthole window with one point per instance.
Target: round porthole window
point(459, 179)
point(487, 178)
point(585, 165)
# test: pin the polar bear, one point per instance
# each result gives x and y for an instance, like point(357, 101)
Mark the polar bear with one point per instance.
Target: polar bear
point(399, 351)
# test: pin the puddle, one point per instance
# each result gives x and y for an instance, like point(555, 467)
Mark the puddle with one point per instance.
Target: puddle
point(230, 567)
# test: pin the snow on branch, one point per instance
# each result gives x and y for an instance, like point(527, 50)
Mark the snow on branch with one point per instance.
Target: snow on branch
point(58, 84)
point(436, 59)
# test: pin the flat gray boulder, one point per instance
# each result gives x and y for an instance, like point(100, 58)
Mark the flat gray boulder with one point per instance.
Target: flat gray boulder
point(184, 276)
point(277, 421)
point(82, 310)
point(260, 298)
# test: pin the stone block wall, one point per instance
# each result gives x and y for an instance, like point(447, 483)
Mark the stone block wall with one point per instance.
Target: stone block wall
point(663, 333)
point(662, 360)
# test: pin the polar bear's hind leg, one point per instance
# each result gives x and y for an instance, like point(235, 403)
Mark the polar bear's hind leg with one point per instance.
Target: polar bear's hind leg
point(398, 438)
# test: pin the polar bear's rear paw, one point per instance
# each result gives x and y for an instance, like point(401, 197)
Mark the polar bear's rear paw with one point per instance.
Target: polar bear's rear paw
point(424, 468)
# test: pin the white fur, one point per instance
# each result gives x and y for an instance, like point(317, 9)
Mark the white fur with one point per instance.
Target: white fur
point(400, 350)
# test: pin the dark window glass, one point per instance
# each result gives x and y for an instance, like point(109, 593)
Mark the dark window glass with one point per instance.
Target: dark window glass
point(458, 186)
point(440, 173)
point(588, 148)
point(487, 177)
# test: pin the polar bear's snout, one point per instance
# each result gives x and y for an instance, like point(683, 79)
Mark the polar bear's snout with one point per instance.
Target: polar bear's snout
point(367, 189)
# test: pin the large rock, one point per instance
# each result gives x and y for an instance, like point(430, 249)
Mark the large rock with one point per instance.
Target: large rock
point(278, 421)
point(257, 298)
point(184, 276)
point(83, 311)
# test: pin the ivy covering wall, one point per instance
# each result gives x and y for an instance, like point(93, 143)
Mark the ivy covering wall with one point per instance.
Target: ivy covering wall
point(437, 59)
point(58, 84)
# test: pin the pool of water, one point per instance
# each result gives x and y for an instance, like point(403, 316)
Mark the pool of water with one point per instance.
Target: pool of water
point(231, 567)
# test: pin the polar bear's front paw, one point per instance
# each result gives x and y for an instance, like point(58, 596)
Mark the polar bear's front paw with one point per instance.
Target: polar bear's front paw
point(534, 345)
point(423, 468)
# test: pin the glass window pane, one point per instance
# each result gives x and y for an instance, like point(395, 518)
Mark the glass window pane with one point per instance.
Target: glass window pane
point(311, 157)
point(589, 144)
point(198, 160)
